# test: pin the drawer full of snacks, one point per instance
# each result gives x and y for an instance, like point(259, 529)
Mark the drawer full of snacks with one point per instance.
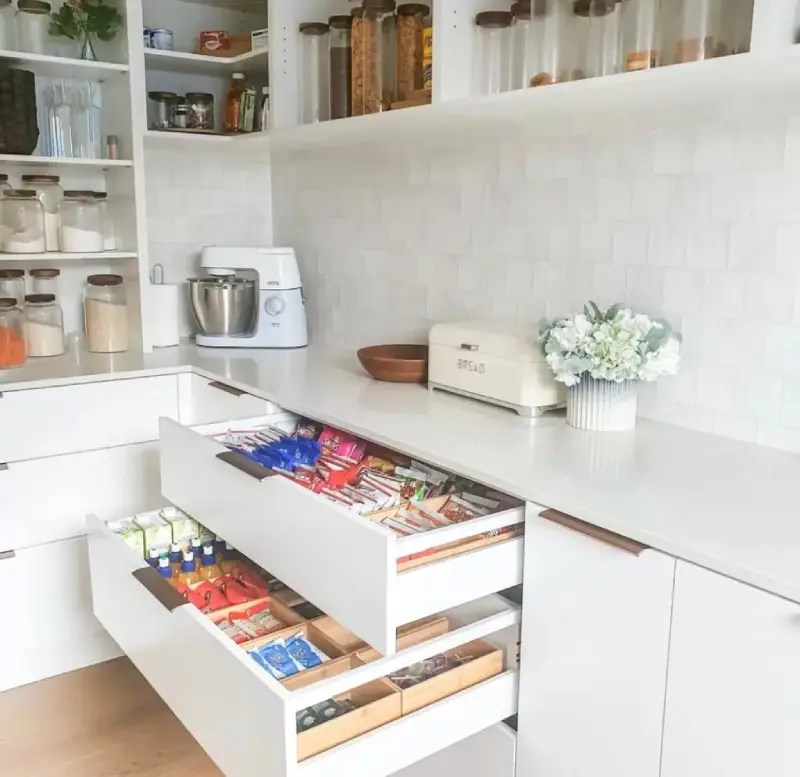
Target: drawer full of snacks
point(302, 683)
point(401, 538)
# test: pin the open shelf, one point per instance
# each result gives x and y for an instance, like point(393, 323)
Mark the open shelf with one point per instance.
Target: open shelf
point(21, 159)
point(61, 67)
point(166, 136)
point(202, 64)
point(62, 256)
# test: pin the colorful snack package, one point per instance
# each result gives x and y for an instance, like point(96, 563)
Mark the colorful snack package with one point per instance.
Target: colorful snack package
point(303, 653)
point(248, 577)
point(342, 443)
point(206, 597)
point(235, 591)
point(232, 631)
point(275, 659)
point(309, 430)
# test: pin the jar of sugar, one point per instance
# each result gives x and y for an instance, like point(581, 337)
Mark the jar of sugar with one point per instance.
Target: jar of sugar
point(23, 223)
point(106, 314)
point(48, 190)
point(81, 222)
point(44, 326)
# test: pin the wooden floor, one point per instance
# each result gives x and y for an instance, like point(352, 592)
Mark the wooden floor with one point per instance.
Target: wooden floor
point(104, 721)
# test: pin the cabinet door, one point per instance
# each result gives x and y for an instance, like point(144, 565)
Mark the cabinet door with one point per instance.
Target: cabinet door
point(595, 638)
point(733, 696)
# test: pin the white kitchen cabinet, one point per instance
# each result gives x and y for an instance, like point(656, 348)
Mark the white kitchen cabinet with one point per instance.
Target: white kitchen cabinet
point(46, 612)
point(733, 697)
point(206, 401)
point(595, 637)
point(67, 419)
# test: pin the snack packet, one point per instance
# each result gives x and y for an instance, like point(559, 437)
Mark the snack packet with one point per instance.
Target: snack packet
point(275, 659)
point(304, 654)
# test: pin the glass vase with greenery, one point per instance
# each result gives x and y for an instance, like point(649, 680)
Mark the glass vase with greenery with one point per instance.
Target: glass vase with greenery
point(86, 21)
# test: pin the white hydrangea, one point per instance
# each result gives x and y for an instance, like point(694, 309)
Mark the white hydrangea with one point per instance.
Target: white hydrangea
point(615, 345)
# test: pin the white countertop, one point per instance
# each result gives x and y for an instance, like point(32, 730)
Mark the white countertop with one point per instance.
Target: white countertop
point(725, 505)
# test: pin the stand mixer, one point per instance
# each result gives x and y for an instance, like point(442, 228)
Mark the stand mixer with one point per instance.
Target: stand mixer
point(249, 297)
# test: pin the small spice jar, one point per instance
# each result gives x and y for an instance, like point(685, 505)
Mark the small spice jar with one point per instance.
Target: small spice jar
point(105, 306)
point(493, 51)
point(180, 118)
point(81, 222)
point(341, 65)
point(12, 285)
point(107, 216)
point(410, 45)
point(44, 281)
point(48, 190)
point(314, 72)
point(162, 109)
point(32, 25)
point(12, 334)
point(23, 223)
point(44, 326)
point(201, 111)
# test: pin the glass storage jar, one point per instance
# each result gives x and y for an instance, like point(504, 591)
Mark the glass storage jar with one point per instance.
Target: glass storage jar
point(521, 45)
point(44, 326)
point(374, 57)
point(12, 285)
point(48, 190)
point(201, 111)
point(44, 281)
point(105, 308)
point(602, 50)
point(410, 48)
point(12, 334)
point(699, 30)
point(162, 109)
point(81, 222)
point(736, 26)
point(492, 62)
point(640, 43)
point(5, 186)
point(107, 220)
point(23, 223)
point(314, 72)
point(553, 49)
point(32, 24)
point(8, 36)
point(341, 65)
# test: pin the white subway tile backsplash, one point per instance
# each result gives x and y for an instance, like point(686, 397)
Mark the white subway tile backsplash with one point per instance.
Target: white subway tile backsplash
point(698, 222)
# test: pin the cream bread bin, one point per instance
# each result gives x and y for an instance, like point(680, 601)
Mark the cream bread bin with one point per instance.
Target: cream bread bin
point(498, 363)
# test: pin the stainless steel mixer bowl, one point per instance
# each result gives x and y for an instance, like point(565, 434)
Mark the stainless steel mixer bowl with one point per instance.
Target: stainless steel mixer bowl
point(224, 306)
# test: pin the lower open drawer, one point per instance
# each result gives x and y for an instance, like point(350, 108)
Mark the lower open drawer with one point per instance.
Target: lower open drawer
point(246, 720)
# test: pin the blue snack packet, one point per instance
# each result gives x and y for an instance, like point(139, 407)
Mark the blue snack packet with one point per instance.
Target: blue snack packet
point(304, 654)
point(275, 659)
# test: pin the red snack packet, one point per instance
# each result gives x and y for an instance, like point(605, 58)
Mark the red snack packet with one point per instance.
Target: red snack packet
point(206, 597)
point(248, 577)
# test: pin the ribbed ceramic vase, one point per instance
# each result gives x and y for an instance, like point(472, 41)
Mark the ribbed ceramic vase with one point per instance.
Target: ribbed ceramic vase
point(602, 405)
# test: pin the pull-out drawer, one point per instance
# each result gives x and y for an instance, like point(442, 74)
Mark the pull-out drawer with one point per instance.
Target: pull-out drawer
point(245, 719)
point(345, 563)
point(206, 401)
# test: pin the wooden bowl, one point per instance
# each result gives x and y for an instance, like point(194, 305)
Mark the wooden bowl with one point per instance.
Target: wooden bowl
point(396, 363)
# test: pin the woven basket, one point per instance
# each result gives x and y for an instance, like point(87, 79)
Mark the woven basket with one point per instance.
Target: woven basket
point(19, 131)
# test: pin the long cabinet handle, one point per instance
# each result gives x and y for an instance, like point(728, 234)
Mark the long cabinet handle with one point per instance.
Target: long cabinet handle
point(248, 466)
point(3, 467)
point(7, 555)
point(595, 532)
point(227, 389)
point(166, 595)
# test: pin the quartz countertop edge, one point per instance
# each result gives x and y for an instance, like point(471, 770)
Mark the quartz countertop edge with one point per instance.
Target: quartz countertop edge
point(725, 505)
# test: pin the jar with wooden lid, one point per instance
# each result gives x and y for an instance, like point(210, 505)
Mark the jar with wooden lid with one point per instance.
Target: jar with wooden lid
point(48, 190)
point(699, 31)
point(12, 334)
point(107, 221)
point(341, 65)
point(33, 25)
point(601, 24)
point(553, 45)
point(521, 45)
point(374, 57)
point(106, 314)
point(44, 281)
point(12, 285)
point(23, 223)
point(640, 34)
point(81, 222)
point(493, 47)
point(410, 48)
point(314, 72)
point(44, 326)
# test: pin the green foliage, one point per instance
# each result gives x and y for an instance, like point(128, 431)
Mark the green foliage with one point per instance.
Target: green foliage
point(78, 18)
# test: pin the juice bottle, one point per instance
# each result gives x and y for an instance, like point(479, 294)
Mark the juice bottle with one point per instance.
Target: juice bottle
point(175, 558)
point(219, 547)
point(209, 568)
point(164, 568)
point(233, 104)
point(196, 546)
point(228, 560)
point(154, 557)
point(188, 574)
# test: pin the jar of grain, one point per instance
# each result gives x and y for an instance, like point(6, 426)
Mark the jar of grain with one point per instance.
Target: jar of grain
point(341, 65)
point(700, 29)
point(493, 46)
point(81, 222)
point(107, 220)
point(410, 40)
point(314, 72)
point(552, 45)
point(48, 190)
point(44, 326)
point(602, 20)
point(44, 281)
point(23, 223)
point(12, 334)
point(374, 57)
point(106, 314)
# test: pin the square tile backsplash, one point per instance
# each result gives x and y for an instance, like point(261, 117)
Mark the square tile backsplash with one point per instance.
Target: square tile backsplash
point(698, 223)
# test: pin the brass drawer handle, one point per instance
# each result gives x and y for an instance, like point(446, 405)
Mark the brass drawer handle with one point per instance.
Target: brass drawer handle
point(248, 466)
point(595, 532)
point(167, 596)
point(227, 389)
point(3, 467)
point(7, 555)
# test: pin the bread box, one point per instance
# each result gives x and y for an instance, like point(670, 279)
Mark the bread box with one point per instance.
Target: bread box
point(498, 363)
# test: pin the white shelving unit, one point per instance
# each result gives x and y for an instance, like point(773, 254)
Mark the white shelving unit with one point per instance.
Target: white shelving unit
point(202, 64)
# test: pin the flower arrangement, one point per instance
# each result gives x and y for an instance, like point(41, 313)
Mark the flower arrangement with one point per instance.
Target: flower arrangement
point(86, 19)
point(613, 345)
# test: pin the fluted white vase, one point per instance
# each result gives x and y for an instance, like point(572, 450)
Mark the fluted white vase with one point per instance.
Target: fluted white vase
point(602, 405)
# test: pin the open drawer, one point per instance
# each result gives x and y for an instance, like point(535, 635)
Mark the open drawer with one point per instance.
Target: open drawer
point(246, 720)
point(348, 565)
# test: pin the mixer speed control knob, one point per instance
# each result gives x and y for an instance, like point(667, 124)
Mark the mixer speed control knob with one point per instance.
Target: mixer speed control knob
point(274, 306)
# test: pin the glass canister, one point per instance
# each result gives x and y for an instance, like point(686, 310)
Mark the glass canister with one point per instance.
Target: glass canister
point(602, 50)
point(8, 35)
point(12, 334)
point(107, 219)
point(81, 218)
point(640, 38)
point(551, 46)
point(341, 65)
point(23, 223)
point(12, 285)
point(200, 115)
point(44, 326)
point(374, 57)
point(736, 27)
point(44, 281)
point(521, 45)
point(162, 110)
point(699, 30)
point(105, 307)
point(410, 48)
point(492, 72)
point(48, 190)
point(5, 186)
point(32, 25)
point(314, 72)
